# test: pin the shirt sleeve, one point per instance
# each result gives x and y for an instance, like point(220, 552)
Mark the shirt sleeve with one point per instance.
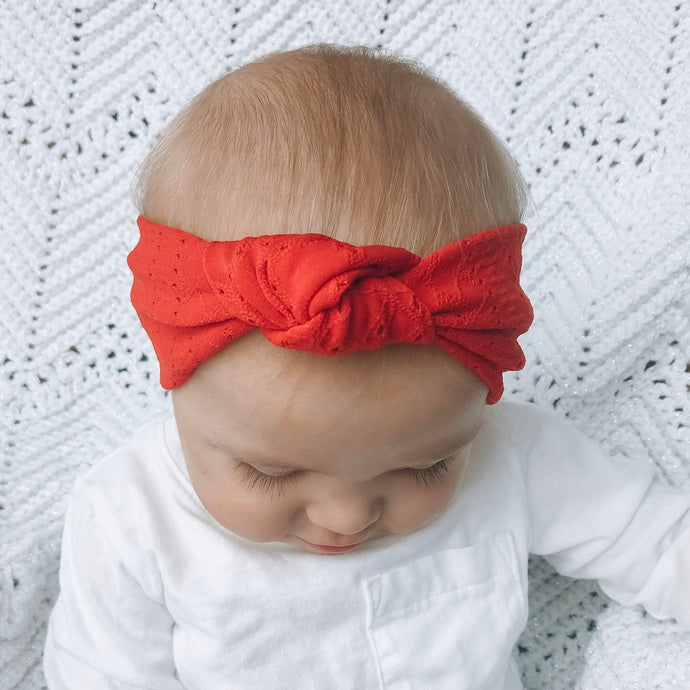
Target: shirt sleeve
point(608, 518)
point(109, 628)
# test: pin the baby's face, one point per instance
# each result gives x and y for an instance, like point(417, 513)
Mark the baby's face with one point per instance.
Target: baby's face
point(321, 452)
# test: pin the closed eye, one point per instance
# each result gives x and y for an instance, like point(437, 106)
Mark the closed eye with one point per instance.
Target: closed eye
point(429, 475)
point(274, 485)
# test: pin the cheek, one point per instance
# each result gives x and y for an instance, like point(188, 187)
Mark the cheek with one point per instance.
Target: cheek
point(241, 511)
point(417, 506)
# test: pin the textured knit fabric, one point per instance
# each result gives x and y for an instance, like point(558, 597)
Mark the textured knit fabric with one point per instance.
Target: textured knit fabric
point(592, 98)
point(311, 292)
point(156, 594)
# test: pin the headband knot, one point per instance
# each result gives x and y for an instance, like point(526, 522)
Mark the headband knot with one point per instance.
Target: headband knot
point(311, 292)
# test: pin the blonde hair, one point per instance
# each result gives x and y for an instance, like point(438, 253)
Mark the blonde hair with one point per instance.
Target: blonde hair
point(350, 142)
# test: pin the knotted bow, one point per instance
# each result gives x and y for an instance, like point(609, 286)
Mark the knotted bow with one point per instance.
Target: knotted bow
point(311, 292)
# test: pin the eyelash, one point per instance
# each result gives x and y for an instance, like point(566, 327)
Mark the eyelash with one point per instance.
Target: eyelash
point(266, 483)
point(429, 475)
point(275, 485)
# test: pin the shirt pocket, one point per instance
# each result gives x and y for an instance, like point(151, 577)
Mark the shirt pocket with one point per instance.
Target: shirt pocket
point(448, 620)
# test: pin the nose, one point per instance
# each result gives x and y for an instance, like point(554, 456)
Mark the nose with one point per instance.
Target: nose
point(344, 510)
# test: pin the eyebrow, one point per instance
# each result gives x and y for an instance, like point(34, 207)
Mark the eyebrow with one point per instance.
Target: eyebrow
point(271, 464)
point(278, 467)
point(263, 461)
point(268, 463)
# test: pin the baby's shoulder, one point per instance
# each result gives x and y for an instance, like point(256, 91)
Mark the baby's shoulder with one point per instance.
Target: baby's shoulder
point(530, 432)
point(519, 421)
point(132, 460)
point(128, 482)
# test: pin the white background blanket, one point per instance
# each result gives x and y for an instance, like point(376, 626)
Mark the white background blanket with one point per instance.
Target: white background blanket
point(593, 99)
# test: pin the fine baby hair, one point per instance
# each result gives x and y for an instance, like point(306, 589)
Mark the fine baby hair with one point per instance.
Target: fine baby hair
point(354, 143)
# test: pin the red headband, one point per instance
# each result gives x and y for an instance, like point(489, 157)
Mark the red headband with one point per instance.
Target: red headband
point(311, 292)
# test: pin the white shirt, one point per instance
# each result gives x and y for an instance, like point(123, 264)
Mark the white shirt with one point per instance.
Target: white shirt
point(156, 594)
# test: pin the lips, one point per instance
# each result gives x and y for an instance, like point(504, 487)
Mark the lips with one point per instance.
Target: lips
point(327, 548)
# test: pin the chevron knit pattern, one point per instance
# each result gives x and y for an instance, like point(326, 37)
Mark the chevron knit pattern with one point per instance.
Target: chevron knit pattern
point(592, 97)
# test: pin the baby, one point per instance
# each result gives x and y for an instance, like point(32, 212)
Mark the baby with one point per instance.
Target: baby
point(328, 270)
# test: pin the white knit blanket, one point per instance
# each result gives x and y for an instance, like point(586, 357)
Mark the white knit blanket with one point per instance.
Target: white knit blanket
point(592, 97)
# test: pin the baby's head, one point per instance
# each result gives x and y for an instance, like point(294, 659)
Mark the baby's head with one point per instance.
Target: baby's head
point(288, 444)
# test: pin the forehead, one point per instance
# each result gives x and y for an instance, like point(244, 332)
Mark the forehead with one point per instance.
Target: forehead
point(259, 398)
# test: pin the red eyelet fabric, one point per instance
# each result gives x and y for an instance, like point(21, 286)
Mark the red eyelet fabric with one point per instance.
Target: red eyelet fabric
point(311, 292)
